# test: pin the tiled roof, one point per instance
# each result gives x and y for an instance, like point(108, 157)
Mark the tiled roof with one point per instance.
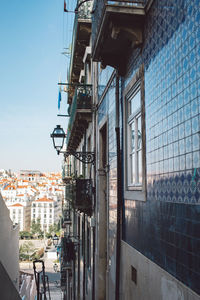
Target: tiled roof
point(10, 187)
point(16, 205)
point(44, 200)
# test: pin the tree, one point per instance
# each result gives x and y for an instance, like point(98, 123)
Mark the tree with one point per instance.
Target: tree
point(53, 228)
point(36, 227)
point(25, 234)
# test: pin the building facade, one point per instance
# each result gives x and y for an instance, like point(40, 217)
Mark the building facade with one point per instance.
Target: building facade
point(47, 211)
point(134, 107)
point(20, 214)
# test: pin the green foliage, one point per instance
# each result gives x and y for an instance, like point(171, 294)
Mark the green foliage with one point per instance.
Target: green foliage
point(25, 235)
point(48, 235)
point(37, 254)
point(36, 227)
point(53, 229)
point(26, 250)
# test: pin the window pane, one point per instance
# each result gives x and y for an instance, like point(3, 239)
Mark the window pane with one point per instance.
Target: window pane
point(133, 168)
point(139, 145)
point(132, 137)
point(135, 103)
point(140, 166)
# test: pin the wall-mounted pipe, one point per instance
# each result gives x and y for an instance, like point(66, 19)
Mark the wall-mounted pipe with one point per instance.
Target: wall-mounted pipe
point(119, 189)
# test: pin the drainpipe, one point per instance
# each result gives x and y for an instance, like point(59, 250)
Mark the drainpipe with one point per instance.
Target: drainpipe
point(84, 253)
point(119, 190)
point(94, 93)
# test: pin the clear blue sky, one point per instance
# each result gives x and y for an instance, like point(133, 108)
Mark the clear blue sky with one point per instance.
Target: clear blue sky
point(33, 35)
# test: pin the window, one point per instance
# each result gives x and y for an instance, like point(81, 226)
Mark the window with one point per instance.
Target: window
point(134, 145)
point(134, 139)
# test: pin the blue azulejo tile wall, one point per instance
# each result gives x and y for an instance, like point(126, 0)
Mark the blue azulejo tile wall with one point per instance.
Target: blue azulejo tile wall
point(166, 228)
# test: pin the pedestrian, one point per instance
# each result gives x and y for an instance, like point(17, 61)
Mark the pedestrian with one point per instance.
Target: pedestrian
point(55, 267)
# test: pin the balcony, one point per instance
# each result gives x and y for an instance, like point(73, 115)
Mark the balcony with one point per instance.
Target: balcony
point(69, 191)
point(117, 29)
point(66, 173)
point(66, 219)
point(81, 38)
point(83, 198)
point(68, 253)
point(80, 116)
point(80, 193)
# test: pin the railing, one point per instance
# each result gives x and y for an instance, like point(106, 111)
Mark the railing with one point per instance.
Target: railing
point(69, 191)
point(66, 171)
point(84, 13)
point(67, 250)
point(66, 215)
point(80, 193)
point(63, 278)
point(82, 100)
point(99, 9)
point(84, 192)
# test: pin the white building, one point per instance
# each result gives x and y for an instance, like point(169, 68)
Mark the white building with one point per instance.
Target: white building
point(9, 191)
point(20, 213)
point(47, 210)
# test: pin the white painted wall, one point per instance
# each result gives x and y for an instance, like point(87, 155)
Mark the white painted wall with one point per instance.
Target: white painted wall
point(152, 281)
point(9, 244)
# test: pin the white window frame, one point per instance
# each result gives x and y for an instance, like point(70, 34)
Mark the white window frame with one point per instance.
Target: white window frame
point(137, 190)
point(133, 119)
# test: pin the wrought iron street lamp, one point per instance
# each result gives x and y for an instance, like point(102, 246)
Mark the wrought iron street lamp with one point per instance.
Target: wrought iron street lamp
point(58, 136)
point(55, 240)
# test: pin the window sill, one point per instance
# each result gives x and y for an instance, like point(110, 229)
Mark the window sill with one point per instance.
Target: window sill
point(138, 195)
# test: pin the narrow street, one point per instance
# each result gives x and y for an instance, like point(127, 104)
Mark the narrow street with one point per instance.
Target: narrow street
point(54, 277)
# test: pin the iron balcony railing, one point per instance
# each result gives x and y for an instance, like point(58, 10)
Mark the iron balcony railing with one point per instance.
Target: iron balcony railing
point(67, 250)
point(66, 171)
point(84, 10)
point(66, 215)
point(99, 10)
point(84, 194)
point(69, 191)
point(84, 13)
point(80, 193)
point(82, 100)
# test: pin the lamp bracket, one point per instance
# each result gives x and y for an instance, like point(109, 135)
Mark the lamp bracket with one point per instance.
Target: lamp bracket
point(84, 157)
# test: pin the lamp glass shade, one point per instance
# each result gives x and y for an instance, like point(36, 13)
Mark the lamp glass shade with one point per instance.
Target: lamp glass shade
point(58, 137)
point(55, 240)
